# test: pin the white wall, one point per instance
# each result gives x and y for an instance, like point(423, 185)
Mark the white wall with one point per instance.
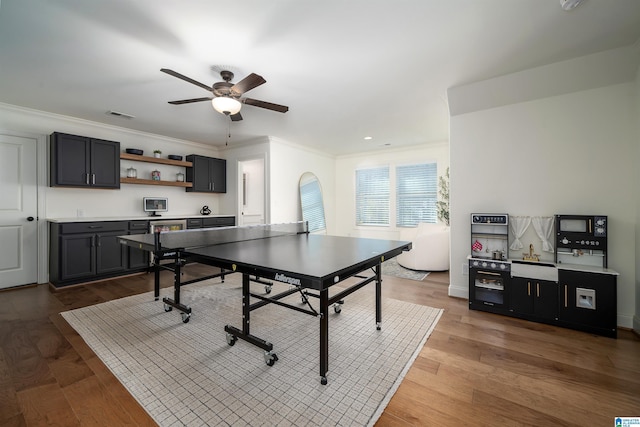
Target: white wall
point(67, 202)
point(571, 154)
point(345, 178)
point(288, 163)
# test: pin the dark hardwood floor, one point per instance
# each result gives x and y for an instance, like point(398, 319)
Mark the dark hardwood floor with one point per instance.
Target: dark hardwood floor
point(476, 368)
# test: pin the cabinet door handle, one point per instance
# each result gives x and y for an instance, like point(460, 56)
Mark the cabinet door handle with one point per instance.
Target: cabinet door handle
point(565, 296)
point(538, 290)
point(528, 289)
point(86, 178)
point(93, 178)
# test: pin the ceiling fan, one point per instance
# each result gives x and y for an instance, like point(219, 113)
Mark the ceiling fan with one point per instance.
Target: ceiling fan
point(227, 97)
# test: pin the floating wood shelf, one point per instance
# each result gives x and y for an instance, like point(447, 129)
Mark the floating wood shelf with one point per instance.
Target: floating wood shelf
point(155, 182)
point(148, 159)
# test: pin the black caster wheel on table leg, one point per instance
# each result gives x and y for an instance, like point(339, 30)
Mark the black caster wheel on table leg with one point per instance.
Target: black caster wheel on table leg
point(267, 289)
point(323, 380)
point(185, 317)
point(378, 326)
point(270, 358)
point(231, 339)
point(167, 308)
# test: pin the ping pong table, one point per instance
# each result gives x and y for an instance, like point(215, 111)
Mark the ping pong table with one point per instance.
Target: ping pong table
point(310, 264)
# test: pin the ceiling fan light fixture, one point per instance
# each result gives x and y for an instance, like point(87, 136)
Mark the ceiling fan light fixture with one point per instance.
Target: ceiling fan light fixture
point(226, 105)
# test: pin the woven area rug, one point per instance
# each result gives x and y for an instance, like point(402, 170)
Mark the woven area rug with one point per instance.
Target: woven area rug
point(187, 374)
point(391, 268)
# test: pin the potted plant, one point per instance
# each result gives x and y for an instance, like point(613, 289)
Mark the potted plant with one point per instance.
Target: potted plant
point(157, 153)
point(443, 203)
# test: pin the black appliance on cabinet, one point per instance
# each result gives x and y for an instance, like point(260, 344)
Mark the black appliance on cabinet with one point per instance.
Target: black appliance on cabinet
point(489, 271)
point(581, 239)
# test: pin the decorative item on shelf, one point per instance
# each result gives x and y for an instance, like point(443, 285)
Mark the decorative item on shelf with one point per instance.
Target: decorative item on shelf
point(205, 210)
point(155, 175)
point(180, 177)
point(157, 153)
point(132, 173)
point(530, 256)
point(134, 151)
point(174, 157)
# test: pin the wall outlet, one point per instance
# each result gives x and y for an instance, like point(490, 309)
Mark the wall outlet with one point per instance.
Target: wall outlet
point(80, 213)
point(465, 269)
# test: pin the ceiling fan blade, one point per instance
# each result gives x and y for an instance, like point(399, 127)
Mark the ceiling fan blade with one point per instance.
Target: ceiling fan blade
point(185, 78)
point(236, 117)
point(188, 101)
point(245, 85)
point(264, 104)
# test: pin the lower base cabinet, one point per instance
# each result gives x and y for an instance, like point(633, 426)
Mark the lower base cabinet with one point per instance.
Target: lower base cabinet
point(538, 298)
point(86, 251)
point(81, 252)
point(588, 301)
point(581, 300)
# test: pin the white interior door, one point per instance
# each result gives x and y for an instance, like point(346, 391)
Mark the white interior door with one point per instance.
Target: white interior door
point(251, 190)
point(18, 211)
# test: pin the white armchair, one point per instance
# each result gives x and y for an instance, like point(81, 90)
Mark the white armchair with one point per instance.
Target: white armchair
point(429, 249)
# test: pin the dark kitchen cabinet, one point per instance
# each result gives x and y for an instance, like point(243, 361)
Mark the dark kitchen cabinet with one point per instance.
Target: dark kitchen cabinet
point(86, 251)
point(207, 174)
point(538, 298)
point(216, 221)
point(138, 259)
point(79, 161)
point(588, 301)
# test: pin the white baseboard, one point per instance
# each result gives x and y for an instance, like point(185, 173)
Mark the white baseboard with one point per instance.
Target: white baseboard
point(459, 291)
point(636, 324)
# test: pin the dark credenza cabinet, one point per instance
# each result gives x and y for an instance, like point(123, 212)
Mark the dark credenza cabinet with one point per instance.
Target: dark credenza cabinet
point(208, 174)
point(87, 251)
point(216, 221)
point(80, 161)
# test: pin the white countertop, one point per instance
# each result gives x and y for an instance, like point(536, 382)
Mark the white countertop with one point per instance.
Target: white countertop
point(561, 266)
point(133, 218)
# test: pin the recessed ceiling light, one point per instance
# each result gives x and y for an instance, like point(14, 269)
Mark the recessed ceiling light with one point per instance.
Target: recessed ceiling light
point(367, 138)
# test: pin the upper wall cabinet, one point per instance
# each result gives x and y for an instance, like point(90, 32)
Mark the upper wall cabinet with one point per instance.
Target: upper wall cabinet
point(208, 174)
point(79, 161)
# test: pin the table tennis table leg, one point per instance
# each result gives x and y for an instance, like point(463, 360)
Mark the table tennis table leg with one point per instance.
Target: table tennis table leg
point(324, 335)
point(378, 270)
point(234, 333)
point(156, 280)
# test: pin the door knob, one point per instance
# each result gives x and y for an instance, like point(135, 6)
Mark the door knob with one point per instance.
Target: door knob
point(30, 218)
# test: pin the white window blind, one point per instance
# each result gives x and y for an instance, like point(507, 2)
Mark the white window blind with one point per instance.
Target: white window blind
point(372, 196)
point(416, 194)
point(312, 206)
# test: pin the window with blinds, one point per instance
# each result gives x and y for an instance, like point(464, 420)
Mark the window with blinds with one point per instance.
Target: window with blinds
point(372, 196)
point(312, 205)
point(416, 194)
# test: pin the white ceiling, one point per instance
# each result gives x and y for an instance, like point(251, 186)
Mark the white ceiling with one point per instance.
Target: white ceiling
point(346, 69)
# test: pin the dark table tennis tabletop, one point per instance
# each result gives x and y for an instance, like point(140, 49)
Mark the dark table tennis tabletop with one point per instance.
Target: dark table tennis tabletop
point(315, 256)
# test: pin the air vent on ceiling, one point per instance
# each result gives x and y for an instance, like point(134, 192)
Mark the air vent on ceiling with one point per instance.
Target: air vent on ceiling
point(119, 114)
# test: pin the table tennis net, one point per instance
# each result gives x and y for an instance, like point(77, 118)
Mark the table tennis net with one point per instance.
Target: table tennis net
point(195, 238)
